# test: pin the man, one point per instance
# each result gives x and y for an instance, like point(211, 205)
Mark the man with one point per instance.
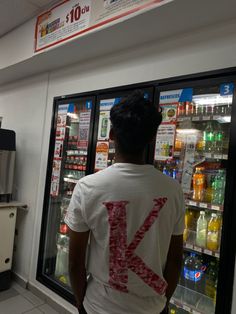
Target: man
point(134, 216)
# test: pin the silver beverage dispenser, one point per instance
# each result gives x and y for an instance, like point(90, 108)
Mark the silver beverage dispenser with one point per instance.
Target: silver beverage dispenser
point(7, 163)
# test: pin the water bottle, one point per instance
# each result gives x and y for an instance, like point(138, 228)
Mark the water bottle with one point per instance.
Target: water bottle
point(209, 138)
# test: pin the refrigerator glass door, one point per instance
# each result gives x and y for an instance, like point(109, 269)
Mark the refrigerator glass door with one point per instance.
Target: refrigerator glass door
point(67, 164)
point(192, 147)
point(105, 149)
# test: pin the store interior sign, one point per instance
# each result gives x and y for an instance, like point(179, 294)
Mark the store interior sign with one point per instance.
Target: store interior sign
point(72, 18)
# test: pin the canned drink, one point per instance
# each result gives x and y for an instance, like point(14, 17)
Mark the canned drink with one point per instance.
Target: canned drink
point(199, 110)
point(209, 110)
point(181, 109)
point(189, 108)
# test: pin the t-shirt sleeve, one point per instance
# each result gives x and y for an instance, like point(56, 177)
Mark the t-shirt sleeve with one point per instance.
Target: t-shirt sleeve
point(75, 219)
point(179, 224)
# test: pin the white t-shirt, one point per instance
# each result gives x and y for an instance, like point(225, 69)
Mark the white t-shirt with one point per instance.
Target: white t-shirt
point(132, 211)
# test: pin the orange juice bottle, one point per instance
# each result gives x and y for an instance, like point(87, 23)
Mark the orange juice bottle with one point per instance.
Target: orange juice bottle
point(213, 233)
point(198, 184)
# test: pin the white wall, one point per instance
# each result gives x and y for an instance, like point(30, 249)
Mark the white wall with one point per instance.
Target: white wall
point(22, 106)
point(206, 49)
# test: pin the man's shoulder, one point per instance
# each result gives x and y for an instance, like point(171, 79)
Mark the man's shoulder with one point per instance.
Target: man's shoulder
point(168, 181)
point(97, 176)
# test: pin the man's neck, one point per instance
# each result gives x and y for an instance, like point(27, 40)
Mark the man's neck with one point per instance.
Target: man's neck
point(130, 159)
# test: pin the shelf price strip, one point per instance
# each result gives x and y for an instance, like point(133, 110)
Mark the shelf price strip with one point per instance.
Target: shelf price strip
point(201, 250)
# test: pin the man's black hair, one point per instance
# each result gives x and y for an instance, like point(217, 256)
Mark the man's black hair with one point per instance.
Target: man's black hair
point(134, 121)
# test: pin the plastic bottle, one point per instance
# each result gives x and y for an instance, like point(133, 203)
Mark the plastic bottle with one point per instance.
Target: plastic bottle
point(61, 269)
point(193, 273)
point(198, 184)
point(213, 233)
point(165, 171)
point(209, 138)
point(218, 187)
point(174, 173)
point(189, 221)
point(209, 189)
point(104, 127)
point(210, 282)
point(218, 140)
point(201, 235)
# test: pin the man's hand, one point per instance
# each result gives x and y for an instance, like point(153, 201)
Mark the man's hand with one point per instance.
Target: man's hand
point(77, 270)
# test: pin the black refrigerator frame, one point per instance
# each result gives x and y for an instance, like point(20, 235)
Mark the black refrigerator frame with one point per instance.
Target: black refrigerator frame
point(228, 242)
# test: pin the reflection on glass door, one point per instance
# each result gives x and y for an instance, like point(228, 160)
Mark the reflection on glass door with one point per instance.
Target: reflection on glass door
point(192, 147)
point(69, 164)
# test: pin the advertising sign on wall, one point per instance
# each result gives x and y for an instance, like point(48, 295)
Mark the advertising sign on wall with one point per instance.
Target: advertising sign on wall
point(72, 18)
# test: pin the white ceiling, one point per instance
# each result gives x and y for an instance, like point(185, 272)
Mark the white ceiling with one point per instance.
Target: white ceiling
point(13, 13)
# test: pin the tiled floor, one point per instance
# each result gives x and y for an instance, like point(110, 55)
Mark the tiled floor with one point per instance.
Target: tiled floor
point(17, 300)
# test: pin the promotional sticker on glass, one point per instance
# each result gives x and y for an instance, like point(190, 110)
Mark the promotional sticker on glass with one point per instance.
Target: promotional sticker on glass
point(101, 159)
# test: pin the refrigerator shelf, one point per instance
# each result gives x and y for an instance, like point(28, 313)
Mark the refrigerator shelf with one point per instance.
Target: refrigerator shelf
point(70, 180)
point(189, 202)
point(219, 118)
point(215, 156)
point(198, 249)
point(192, 301)
point(76, 152)
point(207, 155)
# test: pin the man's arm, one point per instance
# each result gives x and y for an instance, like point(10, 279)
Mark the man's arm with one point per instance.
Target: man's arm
point(77, 270)
point(173, 265)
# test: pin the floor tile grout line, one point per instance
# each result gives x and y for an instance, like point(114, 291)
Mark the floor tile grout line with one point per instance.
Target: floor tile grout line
point(32, 302)
point(31, 310)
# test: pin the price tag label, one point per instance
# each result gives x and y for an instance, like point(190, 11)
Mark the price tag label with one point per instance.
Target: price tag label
point(217, 255)
point(208, 252)
point(176, 153)
point(189, 246)
point(225, 156)
point(203, 205)
point(195, 312)
point(216, 117)
point(180, 119)
point(215, 207)
point(207, 155)
point(191, 203)
point(198, 249)
point(195, 118)
point(218, 156)
point(186, 118)
point(205, 118)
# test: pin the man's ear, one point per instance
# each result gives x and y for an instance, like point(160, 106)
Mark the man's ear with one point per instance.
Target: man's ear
point(111, 134)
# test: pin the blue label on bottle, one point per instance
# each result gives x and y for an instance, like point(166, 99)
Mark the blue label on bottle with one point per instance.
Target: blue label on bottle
point(192, 275)
point(226, 89)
